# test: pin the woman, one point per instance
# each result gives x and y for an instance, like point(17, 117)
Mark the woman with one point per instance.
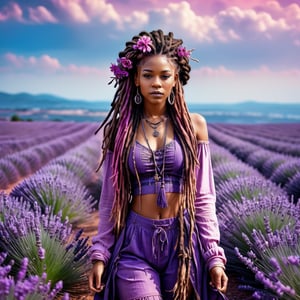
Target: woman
point(158, 231)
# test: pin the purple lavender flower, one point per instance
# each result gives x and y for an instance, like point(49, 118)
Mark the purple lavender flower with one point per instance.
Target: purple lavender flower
point(26, 286)
point(274, 267)
point(293, 187)
point(285, 172)
point(249, 187)
point(143, 44)
point(233, 169)
point(265, 213)
point(10, 171)
point(62, 194)
point(41, 253)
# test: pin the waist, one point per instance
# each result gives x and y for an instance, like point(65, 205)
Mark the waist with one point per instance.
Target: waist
point(134, 217)
point(149, 185)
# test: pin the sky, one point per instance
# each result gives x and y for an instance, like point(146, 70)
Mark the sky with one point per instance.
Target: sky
point(247, 50)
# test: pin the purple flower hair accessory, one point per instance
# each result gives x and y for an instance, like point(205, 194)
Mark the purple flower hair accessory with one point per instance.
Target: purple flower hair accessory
point(118, 72)
point(143, 44)
point(120, 69)
point(183, 52)
point(125, 62)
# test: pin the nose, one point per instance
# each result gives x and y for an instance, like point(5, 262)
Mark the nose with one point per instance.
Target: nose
point(156, 82)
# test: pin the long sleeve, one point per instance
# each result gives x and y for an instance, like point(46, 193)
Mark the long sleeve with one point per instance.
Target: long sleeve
point(102, 243)
point(205, 209)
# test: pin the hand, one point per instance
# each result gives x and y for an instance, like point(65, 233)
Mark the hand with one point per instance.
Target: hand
point(95, 277)
point(219, 279)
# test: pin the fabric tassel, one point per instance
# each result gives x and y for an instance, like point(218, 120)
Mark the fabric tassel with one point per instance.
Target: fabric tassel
point(161, 197)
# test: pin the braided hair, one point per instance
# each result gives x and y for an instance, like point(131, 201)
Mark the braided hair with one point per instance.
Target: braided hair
point(120, 126)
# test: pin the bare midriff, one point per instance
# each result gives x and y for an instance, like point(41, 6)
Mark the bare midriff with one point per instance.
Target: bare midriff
point(146, 206)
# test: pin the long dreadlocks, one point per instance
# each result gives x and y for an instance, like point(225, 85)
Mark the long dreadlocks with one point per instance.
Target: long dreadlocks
point(120, 126)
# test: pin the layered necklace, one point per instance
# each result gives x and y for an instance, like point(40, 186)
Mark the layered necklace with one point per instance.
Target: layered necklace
point(159, 175)
point(154, 126)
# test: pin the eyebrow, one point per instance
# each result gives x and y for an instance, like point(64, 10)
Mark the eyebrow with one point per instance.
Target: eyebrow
point(163, 71)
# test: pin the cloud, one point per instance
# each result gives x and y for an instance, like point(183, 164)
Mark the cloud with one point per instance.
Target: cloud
point(41, 14)
point(234, 20)
point(220, 71)
point(83, 11)
point(12, 11)
point(45, 64)
point(261, 71)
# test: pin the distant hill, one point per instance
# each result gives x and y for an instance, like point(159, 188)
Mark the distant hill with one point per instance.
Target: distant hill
point(44, 101)
point(49, 107)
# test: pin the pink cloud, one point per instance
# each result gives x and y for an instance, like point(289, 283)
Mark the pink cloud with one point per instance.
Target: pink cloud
point(83, 11)
point(248, 20)
point(41, 14)
point(262, 71)
point(84, 70)
point(73, 9)
point(14, 60)
point(48, 64)
point(11, 11)
point(220, 71)
point(44, 62)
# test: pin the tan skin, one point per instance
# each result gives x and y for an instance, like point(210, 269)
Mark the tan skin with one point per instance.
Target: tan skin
point(156, 77)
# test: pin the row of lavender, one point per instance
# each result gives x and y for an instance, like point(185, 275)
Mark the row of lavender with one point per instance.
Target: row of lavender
point(26, 147)
point(278, 160)
point(42, 254)
point(259, 222)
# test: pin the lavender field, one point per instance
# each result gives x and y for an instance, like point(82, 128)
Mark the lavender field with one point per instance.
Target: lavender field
point(49, 189)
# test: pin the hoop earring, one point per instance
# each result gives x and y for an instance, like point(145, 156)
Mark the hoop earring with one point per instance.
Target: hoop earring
point(138, 98)
point(171, 98)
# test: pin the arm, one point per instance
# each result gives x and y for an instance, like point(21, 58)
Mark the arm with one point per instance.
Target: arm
point(206, 218)
point(103, 242)
point(205, 208)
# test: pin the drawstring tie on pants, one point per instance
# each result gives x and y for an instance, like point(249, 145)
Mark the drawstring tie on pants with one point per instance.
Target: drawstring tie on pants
point(159, 240)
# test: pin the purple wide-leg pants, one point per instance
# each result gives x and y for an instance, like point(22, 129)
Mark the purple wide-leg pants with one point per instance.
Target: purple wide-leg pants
point(144, 263)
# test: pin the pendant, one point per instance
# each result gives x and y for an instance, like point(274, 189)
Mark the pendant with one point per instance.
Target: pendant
point(155, 133)
point(156, 177)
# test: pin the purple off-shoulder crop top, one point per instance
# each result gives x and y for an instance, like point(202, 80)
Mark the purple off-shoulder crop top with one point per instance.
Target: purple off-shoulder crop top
point(205, 212)
point(141, 164)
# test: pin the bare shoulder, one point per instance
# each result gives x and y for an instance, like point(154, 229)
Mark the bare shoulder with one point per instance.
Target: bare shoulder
point(200, 126)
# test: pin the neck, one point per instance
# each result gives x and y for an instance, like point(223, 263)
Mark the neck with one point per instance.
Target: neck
point(154, 112)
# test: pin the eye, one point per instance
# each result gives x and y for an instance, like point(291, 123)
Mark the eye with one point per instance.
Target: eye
point(147, 76)
point(165, 77)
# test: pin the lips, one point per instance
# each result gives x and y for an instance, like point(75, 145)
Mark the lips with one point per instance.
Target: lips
point(156, 94)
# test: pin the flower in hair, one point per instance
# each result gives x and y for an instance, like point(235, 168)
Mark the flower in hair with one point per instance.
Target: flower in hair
point(183, 52)
point(118, 72)
point(125, 62)
point(143, 44)
point(120, 69)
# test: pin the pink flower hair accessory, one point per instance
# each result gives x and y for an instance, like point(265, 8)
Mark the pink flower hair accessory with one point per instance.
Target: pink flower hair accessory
point(143, 44)
point(183, 52)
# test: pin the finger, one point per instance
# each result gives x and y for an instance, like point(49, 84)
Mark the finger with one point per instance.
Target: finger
point(224, 284)
point(98, 282)
point(216, 280)
point(90, 278)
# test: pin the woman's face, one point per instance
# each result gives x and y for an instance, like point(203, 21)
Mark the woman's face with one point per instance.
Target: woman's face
point(156, 76)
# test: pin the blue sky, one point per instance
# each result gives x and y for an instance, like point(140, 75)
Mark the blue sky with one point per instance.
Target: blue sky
point(247, 50)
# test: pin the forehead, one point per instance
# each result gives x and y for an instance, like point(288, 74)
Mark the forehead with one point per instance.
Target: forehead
point(157, 62)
